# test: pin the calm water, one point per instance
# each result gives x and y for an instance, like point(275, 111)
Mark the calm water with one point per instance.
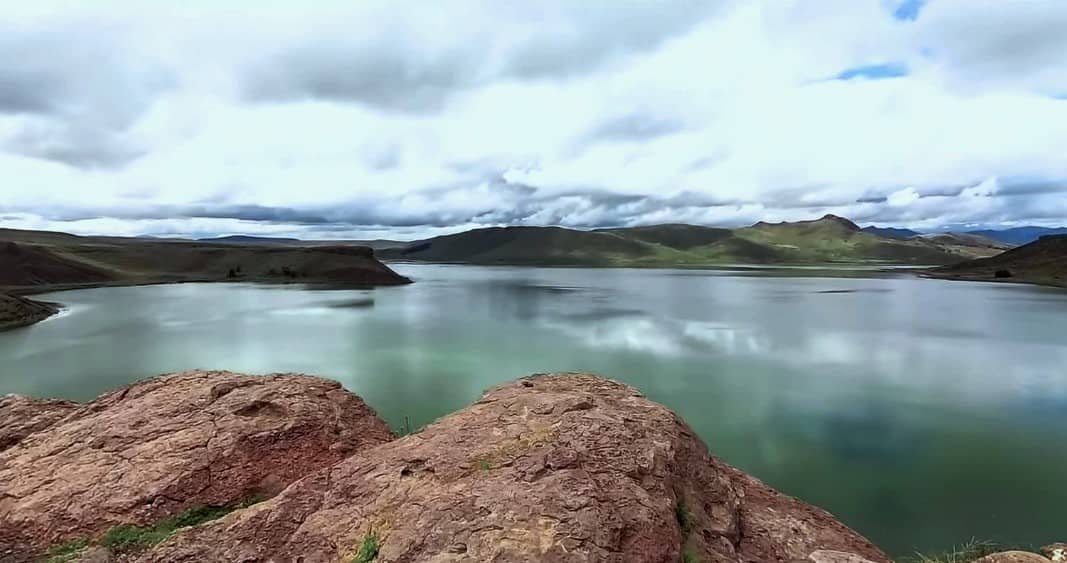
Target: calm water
point(923, 413)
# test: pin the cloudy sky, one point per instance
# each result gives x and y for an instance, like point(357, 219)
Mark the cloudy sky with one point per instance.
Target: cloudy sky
point(405, 119)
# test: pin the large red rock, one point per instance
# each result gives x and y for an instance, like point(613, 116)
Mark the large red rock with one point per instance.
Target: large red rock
point(164, 445)
point(22, 416)
point(551, 468)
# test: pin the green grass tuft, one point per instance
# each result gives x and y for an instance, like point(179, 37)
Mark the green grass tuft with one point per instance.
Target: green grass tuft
point(684, 517)
point(688, 557)
point(67, 551)
point(126, 538)
point(966, 553)
point(368, 549)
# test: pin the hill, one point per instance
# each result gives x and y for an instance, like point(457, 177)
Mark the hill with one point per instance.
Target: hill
point(44, 261)
point(891, 232)
point(1020, 235)
point(1043, 262)
point(22, 264)
point(966, 244)
point(17, 311)
point(827, 240)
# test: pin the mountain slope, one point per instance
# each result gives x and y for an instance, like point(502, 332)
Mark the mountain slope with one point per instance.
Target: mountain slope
point(966, 244)
point(1043, 261)
point(836, 239)
point(830, 239)
point(22, 264)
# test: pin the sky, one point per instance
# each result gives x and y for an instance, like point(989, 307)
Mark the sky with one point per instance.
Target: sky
point(405, 119)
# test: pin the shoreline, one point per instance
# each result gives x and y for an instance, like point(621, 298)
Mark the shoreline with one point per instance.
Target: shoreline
point(21, 292)
point(1012, 280)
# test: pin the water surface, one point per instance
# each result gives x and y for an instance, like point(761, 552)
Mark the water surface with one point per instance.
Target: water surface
point(921, 412)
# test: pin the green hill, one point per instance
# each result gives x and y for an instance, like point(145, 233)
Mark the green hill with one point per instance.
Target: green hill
point(827, 240)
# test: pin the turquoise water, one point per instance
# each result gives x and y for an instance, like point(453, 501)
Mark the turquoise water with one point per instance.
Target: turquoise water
point(921, 412)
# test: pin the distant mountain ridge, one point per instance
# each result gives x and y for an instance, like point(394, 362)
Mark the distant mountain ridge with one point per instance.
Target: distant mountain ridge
point(830, 239)
point(1020, 235)
point(891, 232)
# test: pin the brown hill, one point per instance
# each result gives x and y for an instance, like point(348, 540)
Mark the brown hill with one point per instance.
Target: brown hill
point(965, 244)
point(42, 260)
point(17, 311)
point(23, 264)
point(1043, 261)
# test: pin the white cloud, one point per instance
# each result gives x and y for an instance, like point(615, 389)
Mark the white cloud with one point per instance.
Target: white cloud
point(340, 117)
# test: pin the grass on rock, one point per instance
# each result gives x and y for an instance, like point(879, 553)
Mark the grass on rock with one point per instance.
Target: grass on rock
point(127, 538)
point(368, 549)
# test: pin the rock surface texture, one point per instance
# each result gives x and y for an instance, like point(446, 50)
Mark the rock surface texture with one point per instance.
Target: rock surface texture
point(164, 445)
point(565, 467)
point(22, 416)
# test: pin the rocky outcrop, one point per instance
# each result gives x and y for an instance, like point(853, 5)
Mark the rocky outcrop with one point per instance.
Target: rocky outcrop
point(162, 446)
point(1055, 551)
point(17, 311)
point(22, 416)
point(550, 468)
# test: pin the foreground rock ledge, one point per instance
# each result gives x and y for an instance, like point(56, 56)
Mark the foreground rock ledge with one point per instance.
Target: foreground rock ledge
point(164, 445)
point(565, 467)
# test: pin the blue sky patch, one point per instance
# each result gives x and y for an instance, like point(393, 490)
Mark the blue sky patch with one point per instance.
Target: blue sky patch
point(908, 10)
point(874, 72)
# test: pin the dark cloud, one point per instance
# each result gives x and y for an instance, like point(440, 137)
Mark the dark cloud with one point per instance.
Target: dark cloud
point(74, 145)
point(1030, 186)
point(633, 127)
point(76, 91)
point(384, 76)
point(598, 31)
point(395, 71)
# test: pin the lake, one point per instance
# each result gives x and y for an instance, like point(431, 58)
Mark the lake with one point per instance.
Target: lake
point(921, 412)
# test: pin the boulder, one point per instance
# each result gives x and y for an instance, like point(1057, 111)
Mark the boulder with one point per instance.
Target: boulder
point(566, 467)
point(170, 444)
point(1055, 552)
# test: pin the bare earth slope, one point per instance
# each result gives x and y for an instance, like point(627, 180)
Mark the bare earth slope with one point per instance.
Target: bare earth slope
point(566, 467)
point(164, 445)
point(24, 264)
point(1042, 262)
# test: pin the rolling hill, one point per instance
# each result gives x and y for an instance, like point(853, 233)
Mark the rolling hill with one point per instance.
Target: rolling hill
point(830, 239)
point(967, 245)
point(44, 260)
point(1043, 262)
